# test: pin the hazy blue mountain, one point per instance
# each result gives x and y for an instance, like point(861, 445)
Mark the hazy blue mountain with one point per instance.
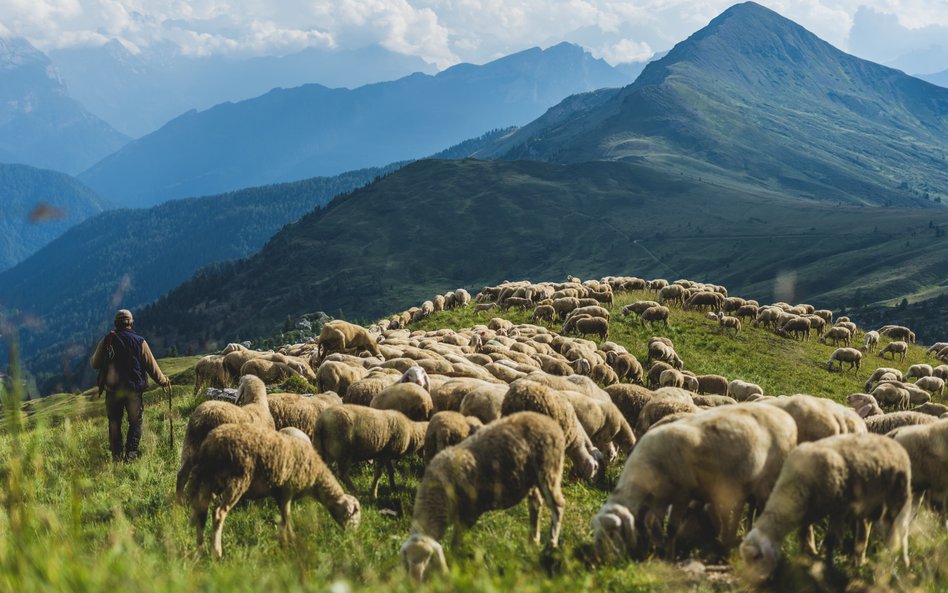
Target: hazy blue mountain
point(939, 78)
point(38, 206)
point(40, 124)
point(310, 130)
point(137, 93)
point(129, 257)
point(754, 96)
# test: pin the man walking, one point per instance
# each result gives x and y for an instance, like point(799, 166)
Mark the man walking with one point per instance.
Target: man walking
point(124, 362)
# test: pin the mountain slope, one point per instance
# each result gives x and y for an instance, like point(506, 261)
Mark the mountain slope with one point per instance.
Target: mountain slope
point(313, 130)
point(130, 257)
point(38, 206)
point(40, 124)
point(939, 78)
point(755, 97)
point(468, 223)
point(138, 93)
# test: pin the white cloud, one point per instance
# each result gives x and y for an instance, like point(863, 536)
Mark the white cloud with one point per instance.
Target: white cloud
point(624, 51)
point(440, 31)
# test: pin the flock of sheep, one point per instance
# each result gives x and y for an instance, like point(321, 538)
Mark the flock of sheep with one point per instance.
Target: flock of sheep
point(498, 409)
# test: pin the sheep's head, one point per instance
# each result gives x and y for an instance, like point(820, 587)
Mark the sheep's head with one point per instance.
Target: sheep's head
point(418, 552)
point(346, 511)
point(760, 557)
point(250, 389)
point(613, 532)
point(678, 363)
point(418, 376)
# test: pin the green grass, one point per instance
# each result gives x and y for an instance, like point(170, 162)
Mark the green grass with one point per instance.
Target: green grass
point(74, 521)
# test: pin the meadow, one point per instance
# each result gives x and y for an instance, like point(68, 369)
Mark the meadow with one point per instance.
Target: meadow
point(74, 521)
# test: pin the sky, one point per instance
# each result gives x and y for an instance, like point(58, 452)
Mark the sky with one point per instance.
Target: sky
point(445, 32)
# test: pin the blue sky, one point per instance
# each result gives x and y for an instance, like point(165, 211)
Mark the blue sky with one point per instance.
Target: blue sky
point(445, 32)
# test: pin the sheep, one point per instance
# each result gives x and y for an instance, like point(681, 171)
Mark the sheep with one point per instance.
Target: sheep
point(888, 422)
point(671, 378)
point(350, 433)
point(516, 457)
point(741, 390)
point(553, 365)
point(233, 347)
point(864, 404)
point(270, 372)
point(848, 325)
point(653, 315)
point(919, 370)
point(664, 353)
point(932, 409)
point(825, 314)
point(544, 313)
point(446, 429)
point(298, 411)
point(484, 403)
point(629, 399)
point(898, 332)
point(933, 385)
point(879, 372)
point(690, 381)
point(894, 348)
point(728, 322)
point(450, 394)
point(796, 327)
point(927, 447)
point(660, 406)
point(338, 376)
point(841, 355)
point(639, 307)
point(410, 399)
point(593, 325)
point(528, 396)
point(247, 461)
point(818, 417)
point(837, 335)
point(747, 311)
point(603, 422)
point(625, 366)
point(255, 409)
point(712, 401)
point(362, 391)
point(941, 371)
point(872, 341)
point(673, 292)
point(655, 372)
point(892, 394)
point(936, 348)
point(210, 371)
point(340, 336)
point(742, 447)
point(592, 311)
point(715, 384)
point(849, 477)
point(603, 375)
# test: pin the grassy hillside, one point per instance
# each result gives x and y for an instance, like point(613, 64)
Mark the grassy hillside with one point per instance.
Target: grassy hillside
point(755, 97)
point(73, 521)
point(469, 223)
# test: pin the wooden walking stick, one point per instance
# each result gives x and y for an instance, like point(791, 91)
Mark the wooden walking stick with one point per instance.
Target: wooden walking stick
point(170, 419)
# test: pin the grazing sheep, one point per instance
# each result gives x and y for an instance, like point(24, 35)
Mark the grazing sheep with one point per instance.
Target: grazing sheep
point(715, 384)
point(251, 393)
point(247, 461)
point(864, 404)
point(338, 376)
point(872, 341)
point(671, 378)
point(660, 406)
point(446, 429)
point(603, 422)
point(417, 375)
point(712, 401)
point(927, 447)
point(933, 385)
point(269, 371)
point(484, 403)
point(818, 417)
point(410, 399)
point(528, 396)
point(553, 365)
point(837, 335)
point(888, 422)
point(664, 353)
point(517, 457)
point(298, 411)
point(841, 355)
point(593, 325)
point(941, 371)
point(932, 409)
point(639, 307)
point(936, 348)
point(879, 373)
point(350, 433)
point(362, 391)
point(603, 375)
point(919, 370)
point(796, 327)
point(741, 390)
point(723, 456)
point(544, 313)
point(233, 347)
point(654, 315)
point(340, 336)
point(849, 477)
point(891, 394)
point(727, 322)
point(629, 399)
point(898, 332)
point(894, 348)
point(450, 394)
point(210, 371)
point(626, 366)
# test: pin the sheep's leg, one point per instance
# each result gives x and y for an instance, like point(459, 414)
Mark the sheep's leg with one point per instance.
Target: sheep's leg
point(344, 475)
point(183, 473)
point(390, 466)
point(550, 487)
point(861, 542)
point(534, 501)
point(285, 503)
point(377, 476)
point(199, 507)
point(808, 540)
point(228, 498)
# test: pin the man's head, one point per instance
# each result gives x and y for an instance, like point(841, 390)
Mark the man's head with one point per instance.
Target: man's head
point(123, 318)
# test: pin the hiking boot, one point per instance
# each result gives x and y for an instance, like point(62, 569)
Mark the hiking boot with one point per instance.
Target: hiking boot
point(116, 457)
point(132, 456)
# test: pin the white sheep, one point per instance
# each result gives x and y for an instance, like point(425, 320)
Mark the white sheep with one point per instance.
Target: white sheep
point(516, 457)
point(246, 461)
point(841, 355)
point(847, 478)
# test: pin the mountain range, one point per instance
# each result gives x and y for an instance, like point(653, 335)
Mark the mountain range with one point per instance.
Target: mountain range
point(138, 92)
point(40, 124)
point(755, 97)
point(38, 206)
point(290, 134)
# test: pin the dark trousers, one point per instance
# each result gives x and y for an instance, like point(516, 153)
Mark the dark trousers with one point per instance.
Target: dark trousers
point(116, 404)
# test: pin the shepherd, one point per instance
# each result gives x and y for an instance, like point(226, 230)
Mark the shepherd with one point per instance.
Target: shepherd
point(125, 362)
